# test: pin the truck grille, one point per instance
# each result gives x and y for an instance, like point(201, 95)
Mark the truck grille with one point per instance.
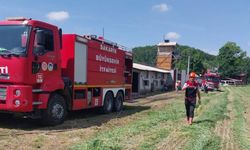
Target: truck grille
point(3, 92)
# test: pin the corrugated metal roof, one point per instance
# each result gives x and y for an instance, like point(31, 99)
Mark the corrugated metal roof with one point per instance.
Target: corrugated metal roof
point(148, 68)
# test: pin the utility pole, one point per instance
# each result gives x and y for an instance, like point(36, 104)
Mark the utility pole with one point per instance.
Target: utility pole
point(188, 66)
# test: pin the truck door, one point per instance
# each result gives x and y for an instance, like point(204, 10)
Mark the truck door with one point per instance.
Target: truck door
point(46, 63)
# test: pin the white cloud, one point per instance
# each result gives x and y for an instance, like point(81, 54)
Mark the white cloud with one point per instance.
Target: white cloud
point(58, 15)
point(172, 36)
point(161, 7)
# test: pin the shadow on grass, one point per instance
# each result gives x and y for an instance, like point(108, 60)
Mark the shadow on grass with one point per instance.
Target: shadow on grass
point(75, 120)
point(214, 91)
point(204, 121)
point(220, 90)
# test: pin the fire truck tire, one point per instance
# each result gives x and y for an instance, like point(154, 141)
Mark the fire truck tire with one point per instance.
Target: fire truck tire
point(5, 116)
point(118, 103)
point(108, 103)
point(56, 112)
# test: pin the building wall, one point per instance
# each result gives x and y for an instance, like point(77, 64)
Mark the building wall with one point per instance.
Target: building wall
point(164, 62)
point(164, 59)
point(150, 81)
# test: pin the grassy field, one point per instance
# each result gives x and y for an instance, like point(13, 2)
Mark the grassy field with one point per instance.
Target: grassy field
point(222, 121)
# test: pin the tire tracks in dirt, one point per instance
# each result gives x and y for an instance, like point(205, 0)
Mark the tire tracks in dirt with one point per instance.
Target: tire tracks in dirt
point(224, 128)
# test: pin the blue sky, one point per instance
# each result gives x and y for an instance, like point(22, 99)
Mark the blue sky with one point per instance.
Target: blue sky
point(203, 24)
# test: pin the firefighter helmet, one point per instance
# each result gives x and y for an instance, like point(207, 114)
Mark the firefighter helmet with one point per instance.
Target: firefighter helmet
point(192, 75)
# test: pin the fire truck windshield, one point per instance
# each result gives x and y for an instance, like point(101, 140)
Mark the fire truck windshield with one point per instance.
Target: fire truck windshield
point(14, 39)
point(212, 79)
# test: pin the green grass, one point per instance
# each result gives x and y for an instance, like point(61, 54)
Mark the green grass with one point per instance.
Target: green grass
point(201, 132)
point(151, 125)
point(154, 138)
point(241, 100)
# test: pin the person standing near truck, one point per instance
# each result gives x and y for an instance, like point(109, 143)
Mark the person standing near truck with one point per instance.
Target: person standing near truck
point(178, 86)
point(191, 93)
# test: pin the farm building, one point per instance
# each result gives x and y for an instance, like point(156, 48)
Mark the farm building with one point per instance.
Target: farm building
point(150, 79)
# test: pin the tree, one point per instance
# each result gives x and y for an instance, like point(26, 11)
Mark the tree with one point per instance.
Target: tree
point(231, 60)
point(145, 55)
point(247, 68)
point(199, 60)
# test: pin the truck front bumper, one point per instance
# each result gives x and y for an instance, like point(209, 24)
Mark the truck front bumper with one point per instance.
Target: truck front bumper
point(16, 98)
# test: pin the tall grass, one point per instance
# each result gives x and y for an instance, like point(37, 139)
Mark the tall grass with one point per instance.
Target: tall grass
point(153, 126)
point(201, 132)
point(151, 122)
point(241, 101)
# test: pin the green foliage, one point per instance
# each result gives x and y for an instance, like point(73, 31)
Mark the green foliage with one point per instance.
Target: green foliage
point(199, 60)
point(247, 68)
point(145, 55)
point(231, 59)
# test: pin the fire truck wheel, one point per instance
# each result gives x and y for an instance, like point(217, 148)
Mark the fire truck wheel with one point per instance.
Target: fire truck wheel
point(118, 103)
point(108, 103)
point(5, 116)
point(56, 111)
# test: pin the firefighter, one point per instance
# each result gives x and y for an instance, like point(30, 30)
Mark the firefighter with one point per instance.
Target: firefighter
point(178, 85)
point(191, 93)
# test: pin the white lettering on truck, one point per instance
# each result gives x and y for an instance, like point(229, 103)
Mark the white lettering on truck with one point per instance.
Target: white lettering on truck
point(107, 69)
point(107, 59)
point(108, 48)
point(4, 70)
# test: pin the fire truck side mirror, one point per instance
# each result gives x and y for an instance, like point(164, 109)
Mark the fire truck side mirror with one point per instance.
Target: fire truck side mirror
point(39, 43)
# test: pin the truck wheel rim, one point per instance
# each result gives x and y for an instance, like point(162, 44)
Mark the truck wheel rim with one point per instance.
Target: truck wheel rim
point(57, 111)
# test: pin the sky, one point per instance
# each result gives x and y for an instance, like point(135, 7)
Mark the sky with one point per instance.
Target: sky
point(203, 24)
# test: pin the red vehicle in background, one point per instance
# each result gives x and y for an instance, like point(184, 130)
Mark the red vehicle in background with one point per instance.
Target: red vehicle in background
point(46, 74)
point(210, 81)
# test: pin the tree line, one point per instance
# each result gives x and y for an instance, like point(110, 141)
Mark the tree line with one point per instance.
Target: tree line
point(230, 62)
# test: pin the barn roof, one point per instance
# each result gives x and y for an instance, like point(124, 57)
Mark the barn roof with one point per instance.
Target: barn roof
point(148, 68)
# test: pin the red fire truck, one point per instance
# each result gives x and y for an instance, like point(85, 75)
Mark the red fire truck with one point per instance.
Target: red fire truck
point(46, 74)
point(210, 81)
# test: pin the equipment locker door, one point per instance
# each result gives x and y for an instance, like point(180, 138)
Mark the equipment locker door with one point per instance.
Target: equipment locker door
point(80, 63)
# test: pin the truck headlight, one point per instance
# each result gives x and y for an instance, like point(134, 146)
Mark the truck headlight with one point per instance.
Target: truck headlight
point(17, 102)
point(18, 92)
